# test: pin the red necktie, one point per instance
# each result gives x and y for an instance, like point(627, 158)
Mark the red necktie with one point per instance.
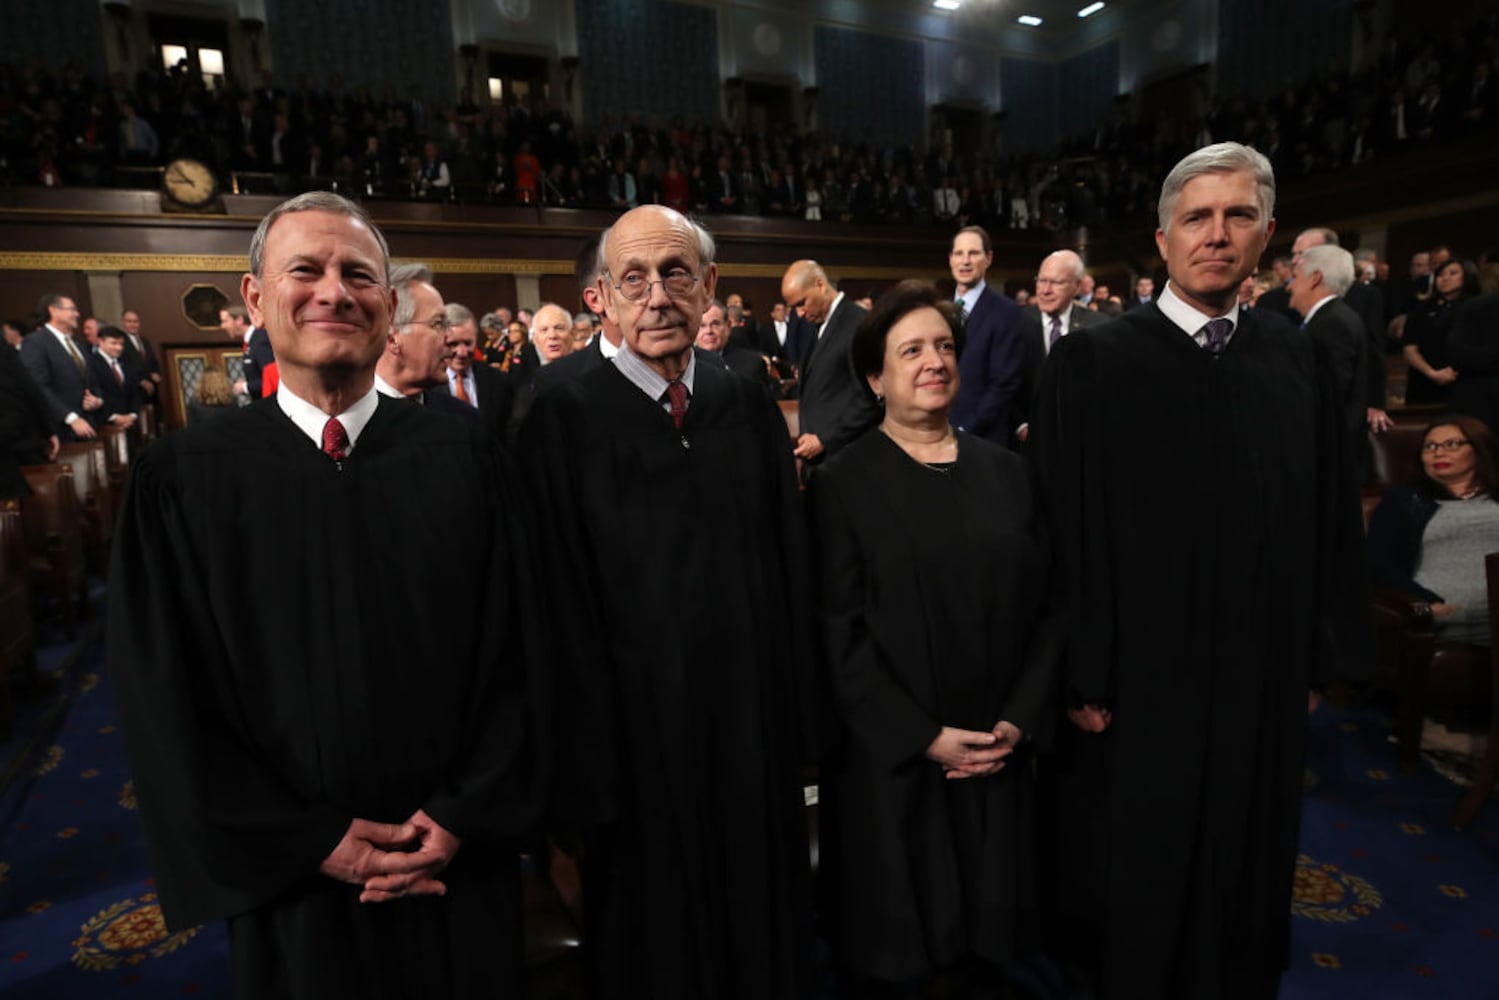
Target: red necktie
point(678, 395)
point(335, 440)
point(115, 367)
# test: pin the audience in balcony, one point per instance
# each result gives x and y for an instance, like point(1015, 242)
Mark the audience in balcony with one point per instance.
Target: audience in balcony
point(65, 128)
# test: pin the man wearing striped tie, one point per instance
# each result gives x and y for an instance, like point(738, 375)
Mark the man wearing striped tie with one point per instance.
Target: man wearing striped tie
point(52, 357)
point(1053, 314)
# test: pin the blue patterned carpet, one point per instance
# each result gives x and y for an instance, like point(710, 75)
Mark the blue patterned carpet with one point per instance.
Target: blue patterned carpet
point(1391, 902)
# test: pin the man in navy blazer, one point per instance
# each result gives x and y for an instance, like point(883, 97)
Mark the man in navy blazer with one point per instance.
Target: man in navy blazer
point(118, 380)
point(53, 359)
point(993, 360)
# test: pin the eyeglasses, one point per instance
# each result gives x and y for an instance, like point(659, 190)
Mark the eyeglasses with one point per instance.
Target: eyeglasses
point(636, 287)
point(1451, 444)
point(440, 325)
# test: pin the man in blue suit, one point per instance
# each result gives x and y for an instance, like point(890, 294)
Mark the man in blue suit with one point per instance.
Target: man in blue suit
point(993, 360)
point(57, 364)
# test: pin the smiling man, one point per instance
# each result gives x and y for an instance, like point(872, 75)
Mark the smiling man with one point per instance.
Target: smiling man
point(1197, 480)
point(680, 740)
point(993, 360)
point(327, 751)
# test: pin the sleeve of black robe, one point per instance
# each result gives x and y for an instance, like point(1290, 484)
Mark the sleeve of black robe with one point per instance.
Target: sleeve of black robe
point(225, 833)
point(1072, 498)
point(582, 724)
point(870, 701)
point(1345, 642)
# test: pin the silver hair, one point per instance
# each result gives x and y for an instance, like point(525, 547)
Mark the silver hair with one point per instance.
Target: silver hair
point(1220, 158)
point(402, 277)
point(1329, 236)
point(1334, 264)
point(458, 314)
point(314, 201)
point(586, 317)
point(706, 248)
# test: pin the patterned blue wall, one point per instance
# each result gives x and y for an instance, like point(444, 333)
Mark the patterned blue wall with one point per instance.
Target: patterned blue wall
point(46, 33)
point(1086, 86)
point(870, 86)
point(374, 43)
point(650, 58)
point(1265, 44)
point(1028, 92)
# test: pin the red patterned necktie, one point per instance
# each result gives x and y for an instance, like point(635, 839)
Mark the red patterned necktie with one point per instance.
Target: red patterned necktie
point(677, 392)
point(335, 440)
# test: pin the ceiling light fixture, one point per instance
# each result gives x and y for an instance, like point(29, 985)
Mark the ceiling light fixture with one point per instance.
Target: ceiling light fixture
point(1092, 8)
point(946, 4)
point(1029, 20)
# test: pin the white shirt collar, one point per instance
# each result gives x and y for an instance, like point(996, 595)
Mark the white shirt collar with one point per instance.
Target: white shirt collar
point(829, 318)
point(646, 378)
point(607, 349)
point(1313, 311)
point(62, 338)
point(970, 298)
point(310, 420)
point(1188, 318)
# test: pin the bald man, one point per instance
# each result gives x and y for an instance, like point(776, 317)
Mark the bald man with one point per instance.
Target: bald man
point(835, 407)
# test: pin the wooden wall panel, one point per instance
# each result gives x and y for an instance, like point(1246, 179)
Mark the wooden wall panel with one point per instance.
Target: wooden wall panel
point(480, 292)
point(20, 290)
point(157, 296)
point(561, 289)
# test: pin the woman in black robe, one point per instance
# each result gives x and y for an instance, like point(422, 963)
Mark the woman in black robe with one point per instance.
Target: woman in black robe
point(934, 589)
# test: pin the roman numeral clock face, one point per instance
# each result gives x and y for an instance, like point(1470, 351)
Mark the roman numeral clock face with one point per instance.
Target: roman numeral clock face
point(190, 183)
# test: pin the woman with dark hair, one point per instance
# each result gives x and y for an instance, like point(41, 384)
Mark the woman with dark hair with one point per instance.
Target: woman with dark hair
point(942, 668)
point(1429, 540)
point(1429, 378)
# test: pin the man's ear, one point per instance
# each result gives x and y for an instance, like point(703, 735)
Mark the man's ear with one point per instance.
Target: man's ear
point(249, 290)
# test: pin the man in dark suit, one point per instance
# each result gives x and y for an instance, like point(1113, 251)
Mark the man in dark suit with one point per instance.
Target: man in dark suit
point(258, 353)
point(52, 357)
point(117, 380)
point(27, 435)
point(483, 389)
point(140, 355)
point(993, 359)
point(713, 340)
point(1368, 304)
point(415, 358)
point(1053, 315)
point(1324, 273)
point(836, 407)
point(1144, 292)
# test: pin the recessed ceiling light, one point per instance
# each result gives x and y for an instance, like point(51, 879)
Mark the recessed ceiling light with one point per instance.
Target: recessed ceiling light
point(1092, 8)
point(1029, 20)
point(946, 4)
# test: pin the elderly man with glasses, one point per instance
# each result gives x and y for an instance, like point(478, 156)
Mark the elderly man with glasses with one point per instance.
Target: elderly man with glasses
point(666, 495)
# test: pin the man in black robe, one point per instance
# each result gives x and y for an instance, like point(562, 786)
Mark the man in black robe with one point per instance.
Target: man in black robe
point(329, 730)
point(664, 488)
point(1193, 465)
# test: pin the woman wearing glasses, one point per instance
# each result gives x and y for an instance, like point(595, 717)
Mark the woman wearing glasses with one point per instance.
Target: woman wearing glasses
point(933, 585)
point(1429, 540)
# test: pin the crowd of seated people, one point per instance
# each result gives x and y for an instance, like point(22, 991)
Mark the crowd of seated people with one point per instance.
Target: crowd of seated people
point(66, 128)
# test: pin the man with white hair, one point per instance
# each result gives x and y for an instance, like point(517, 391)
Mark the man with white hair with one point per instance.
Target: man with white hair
point(552, 333)
point(1323, 275)
point(1193, 467)
point(416, 351)
point(1054, 314)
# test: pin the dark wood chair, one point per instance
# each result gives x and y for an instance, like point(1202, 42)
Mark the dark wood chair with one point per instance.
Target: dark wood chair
point(17, 627)
point(1488, 768)
point(54, 539)
point(95, 497)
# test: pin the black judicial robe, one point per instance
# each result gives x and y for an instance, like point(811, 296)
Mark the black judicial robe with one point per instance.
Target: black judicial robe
point(683, 638)
point(341, 666)
point(933, 587)
point(1208, 529)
